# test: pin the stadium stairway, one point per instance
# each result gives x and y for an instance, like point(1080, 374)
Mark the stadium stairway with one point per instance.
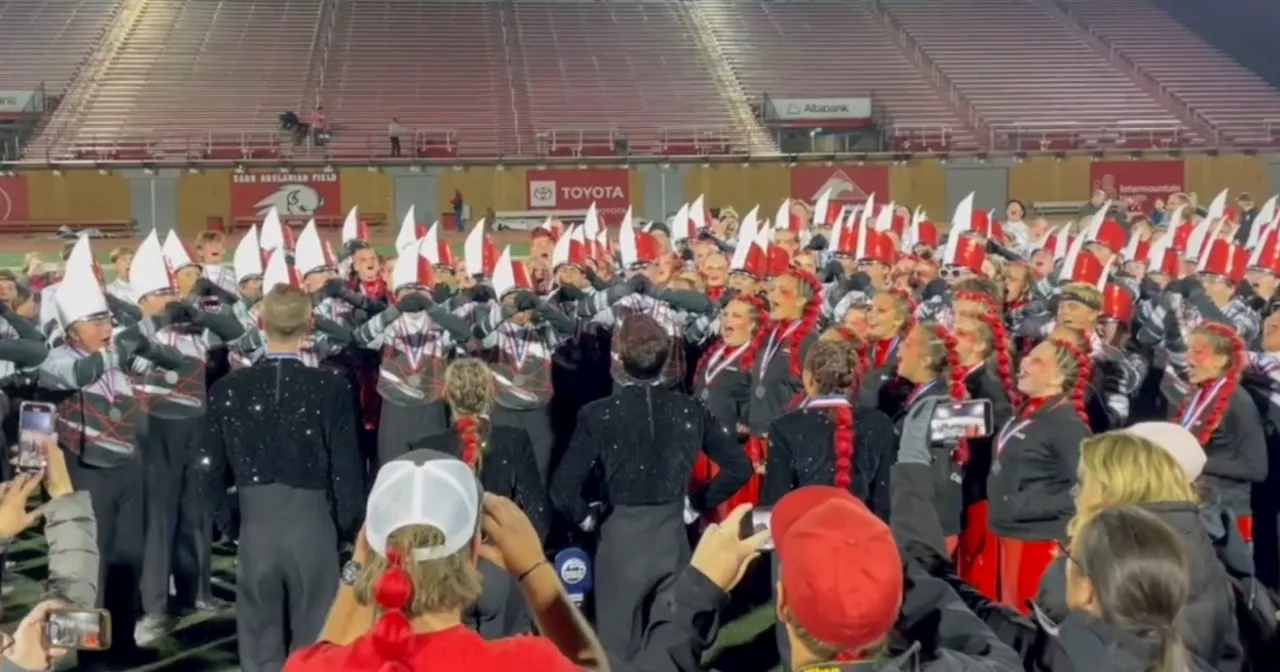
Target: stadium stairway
point(1204, 130)
point(759, 140)
point(80, 89)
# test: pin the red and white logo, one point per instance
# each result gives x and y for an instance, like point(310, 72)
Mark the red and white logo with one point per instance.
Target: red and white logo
point(608, 188)
point(292, 194)
point(848, 184)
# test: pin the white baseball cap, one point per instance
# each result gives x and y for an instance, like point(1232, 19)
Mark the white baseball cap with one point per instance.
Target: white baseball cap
point(424, 487)
point(1176, 440)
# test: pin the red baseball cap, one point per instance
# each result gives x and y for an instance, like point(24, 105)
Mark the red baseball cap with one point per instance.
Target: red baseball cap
point(840, 567)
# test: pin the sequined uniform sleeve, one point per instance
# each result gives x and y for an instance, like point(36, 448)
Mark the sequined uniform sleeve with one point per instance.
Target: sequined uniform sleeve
point(575, 466)
point(779, 472)
point(346, 466)
point(527, 488)
point(213, 459)
point(722, 447)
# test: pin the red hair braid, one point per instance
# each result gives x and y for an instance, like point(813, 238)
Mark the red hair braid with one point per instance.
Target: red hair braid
point(392, 636)
point(955, 379)
point(1000, 341)
point(1235, 367)
point(1083, 372)
point(469, 434)
point(812, 311)
point(842, 444)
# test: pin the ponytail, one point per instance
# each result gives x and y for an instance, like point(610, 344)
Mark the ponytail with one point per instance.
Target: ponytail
point(955, 379)
point(832, 365)
point(842, 444)
point(812, 310)
point(1083, 371)
point(469, 435)
point(392, 636)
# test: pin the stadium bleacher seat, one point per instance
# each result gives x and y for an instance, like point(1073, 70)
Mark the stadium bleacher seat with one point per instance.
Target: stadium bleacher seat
point(46, 41)
point(1230, 97)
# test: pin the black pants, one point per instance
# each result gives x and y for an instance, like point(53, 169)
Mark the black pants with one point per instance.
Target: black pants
point(536, 422)
point(288, 573)
point(117, 497)
point(179, 525)
point(395, 146)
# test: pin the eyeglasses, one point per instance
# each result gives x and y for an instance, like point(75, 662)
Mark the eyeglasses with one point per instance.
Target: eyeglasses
point(952, 272)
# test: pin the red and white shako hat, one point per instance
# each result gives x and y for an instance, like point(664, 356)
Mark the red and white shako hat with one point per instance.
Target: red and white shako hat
point(410, 230)
point(479, 252)
point(438, 251)
point(637, 248)
point(279, 272)
point(964, 251)
point(570, 250)
point(150, 271)
point(312, 254)
point(1117, 303)
point(510, 276)
point(249, 261)
point(354, 228)
point(413, 268)
point(274, 234)
point(79, 296)
point(1082, 267)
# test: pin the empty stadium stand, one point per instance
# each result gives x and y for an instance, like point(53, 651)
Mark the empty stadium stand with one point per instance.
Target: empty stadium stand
point(48, 40)
point(834, 50)
point(202, 78)
point(439, 67)
point(594, 68)
point(1234, 100)
point(1035, 82)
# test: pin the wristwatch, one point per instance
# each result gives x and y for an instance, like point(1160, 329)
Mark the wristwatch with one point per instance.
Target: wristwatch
point(350, 572)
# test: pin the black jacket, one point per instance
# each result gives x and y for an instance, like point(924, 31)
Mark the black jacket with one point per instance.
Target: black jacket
point(1237, 453)
point(801, 453)
point(1034, 471)
point(1078, 644)
point(1209, 623)
point(983, 383)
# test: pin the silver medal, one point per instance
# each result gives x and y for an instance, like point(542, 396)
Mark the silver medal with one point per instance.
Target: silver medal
point(415, 380)
point(760, 392)
point(706, 394)
point(115, 415)
point(171, 377)
point(517, 380)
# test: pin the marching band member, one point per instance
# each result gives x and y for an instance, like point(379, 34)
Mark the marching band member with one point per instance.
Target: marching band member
point(416, 338)
point(642, 536)
point(1034, 466)
point(503, 459)
point(521, 332)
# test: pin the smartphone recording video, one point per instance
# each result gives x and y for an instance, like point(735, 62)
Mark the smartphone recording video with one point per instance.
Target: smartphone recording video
point(81, 629)
point(961, 420)
point(759, 521)
point(34, 427)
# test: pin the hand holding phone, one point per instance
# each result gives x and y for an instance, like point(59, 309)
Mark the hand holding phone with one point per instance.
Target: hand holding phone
point(80, 629)
point(35, 429)
point(961, 420)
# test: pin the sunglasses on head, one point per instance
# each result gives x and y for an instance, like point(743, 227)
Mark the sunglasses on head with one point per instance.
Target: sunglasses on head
point(952, 272)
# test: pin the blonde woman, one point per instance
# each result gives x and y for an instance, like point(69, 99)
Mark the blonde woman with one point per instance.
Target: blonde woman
point(1128, 468)
point(502, 457)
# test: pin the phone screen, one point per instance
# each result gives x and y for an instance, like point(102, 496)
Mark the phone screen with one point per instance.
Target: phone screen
point(759, 521)
point(82, 629)
point(962, 420)
point(35, 425)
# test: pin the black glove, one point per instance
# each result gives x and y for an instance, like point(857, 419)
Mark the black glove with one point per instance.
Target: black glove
point(858, 282)
point(1148, 290)
point(441, 293)
point(833, 271)
point(571, 293)
point(639, 284)
point(481, 294)
point(526, 301)
point(413, 302)
point(131, 342)
point(1245, 291)
point(818, 243)
point(1184, 286)
point(936, 287)
point(205, 287)
point(180, 312)
point(333, 288)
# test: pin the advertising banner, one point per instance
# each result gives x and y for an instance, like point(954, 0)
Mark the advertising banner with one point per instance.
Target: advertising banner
point(293, 194)
point(608, 188)
point(1138, 183)
point(848, 184)
point(14, 203)
point(820, 109)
